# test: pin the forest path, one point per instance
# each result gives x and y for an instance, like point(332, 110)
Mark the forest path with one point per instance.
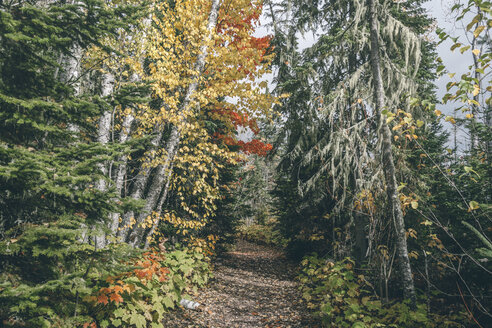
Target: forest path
point(253, 287)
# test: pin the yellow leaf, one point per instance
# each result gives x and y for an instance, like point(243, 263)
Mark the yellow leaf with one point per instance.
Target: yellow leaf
point(476, 52)
point(450, 119)
point(438, 112)
point(474, 205)
point(426, 223)
point(476, 90)
point(478, 30)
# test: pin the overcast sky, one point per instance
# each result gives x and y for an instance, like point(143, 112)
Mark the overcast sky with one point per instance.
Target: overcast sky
point(455, 62)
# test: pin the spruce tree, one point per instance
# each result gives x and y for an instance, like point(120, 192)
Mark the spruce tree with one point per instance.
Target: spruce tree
point(48, 200)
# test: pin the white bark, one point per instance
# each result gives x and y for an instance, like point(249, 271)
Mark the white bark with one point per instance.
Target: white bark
point(158, 209)
point(103, 135)
point(139, 185)
point(71, 76)
point(104, 125)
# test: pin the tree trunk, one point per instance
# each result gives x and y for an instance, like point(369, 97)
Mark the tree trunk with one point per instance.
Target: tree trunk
point(103, 133)
point(388, 162)
point(104, 125)
point(158, 209)
point(121, 170)
point(139, 186)
point(162, 172)
point(156, 188)
point(360, 238)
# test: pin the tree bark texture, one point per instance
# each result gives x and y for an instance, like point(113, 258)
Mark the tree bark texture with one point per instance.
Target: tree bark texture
point(104, 125)
point(388, 162)
point(138, 188)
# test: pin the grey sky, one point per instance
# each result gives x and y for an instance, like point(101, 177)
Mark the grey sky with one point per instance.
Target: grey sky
point(454, 61)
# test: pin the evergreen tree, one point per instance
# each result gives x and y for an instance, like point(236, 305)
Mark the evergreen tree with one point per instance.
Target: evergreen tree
point(48, 171)
point(345, 149)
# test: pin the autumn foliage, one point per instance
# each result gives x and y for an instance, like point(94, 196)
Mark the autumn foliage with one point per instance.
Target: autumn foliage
point(149, 266)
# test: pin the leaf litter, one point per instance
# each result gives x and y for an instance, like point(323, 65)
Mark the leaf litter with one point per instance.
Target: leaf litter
point(254, 286)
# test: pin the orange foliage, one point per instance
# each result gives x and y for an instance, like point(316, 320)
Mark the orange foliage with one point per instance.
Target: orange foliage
point(236, 119)
point(254, 146)
point(232, 25)
point(150, 267)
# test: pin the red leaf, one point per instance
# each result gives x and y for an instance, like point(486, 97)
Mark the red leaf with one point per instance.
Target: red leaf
point(102, 299)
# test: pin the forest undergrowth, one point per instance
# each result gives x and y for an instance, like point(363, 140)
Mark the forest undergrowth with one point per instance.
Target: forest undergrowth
point(141, 140)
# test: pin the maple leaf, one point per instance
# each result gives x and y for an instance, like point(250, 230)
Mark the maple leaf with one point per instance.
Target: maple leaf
point(103, 299)
point(116, 298)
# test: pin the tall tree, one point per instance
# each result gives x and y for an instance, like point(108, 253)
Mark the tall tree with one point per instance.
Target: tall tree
point(387, 155)
point(362, 69)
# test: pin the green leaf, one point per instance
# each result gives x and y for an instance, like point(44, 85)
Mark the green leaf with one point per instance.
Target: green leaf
point(401, 186)
point(454, 46)
point(414, 204)
point(119, 312)
point(358, 324)
point(138, 320)
point(475, 20)
point(462, 50)
point(168, 302)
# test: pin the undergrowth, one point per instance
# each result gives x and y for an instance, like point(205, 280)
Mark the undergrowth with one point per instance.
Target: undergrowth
point(50, 278)
point(342, 298)
point(265, 234)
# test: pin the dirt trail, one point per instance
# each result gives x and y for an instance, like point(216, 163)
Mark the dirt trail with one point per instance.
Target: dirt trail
point(253, 287)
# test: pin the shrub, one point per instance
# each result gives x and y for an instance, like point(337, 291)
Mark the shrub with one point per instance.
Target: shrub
point(265, 234)
point(140, 298)
point(341, 298)
point(50, 278)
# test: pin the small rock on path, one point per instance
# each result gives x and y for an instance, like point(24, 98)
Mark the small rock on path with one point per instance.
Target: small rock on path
point(253, 287)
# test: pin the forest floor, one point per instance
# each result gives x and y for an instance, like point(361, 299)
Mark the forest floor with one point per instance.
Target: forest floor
point(253, 287)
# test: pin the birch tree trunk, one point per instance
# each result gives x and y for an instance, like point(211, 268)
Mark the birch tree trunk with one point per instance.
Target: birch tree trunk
point(159, 209)
point(71, 76)
point(139, 186)
point(163, 171)
point(103, 134)
point(104, 125)
point(388, 162)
